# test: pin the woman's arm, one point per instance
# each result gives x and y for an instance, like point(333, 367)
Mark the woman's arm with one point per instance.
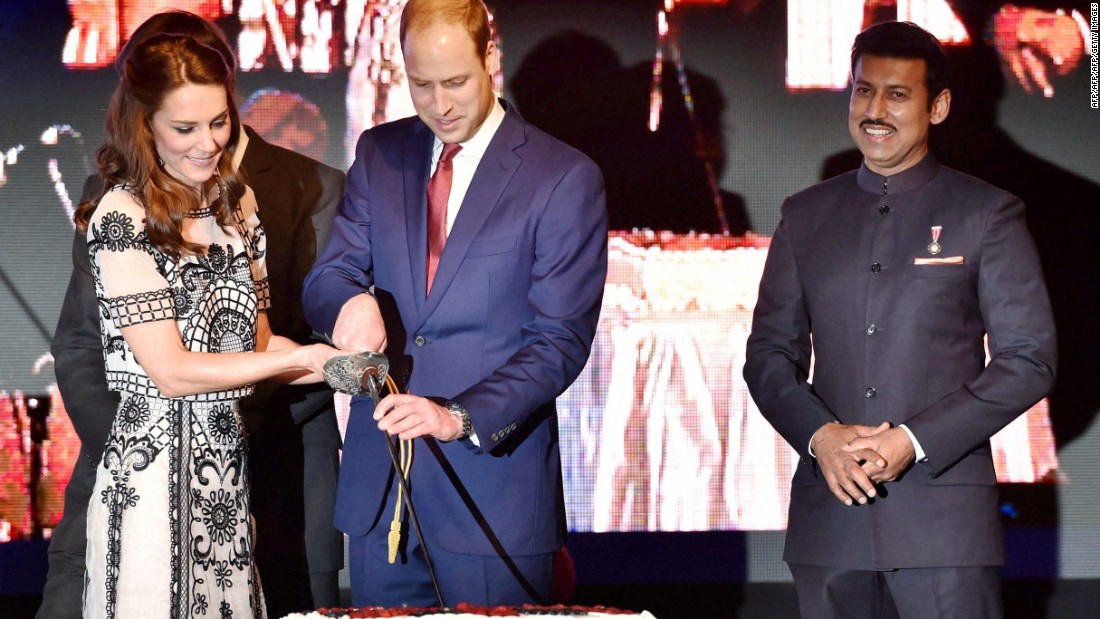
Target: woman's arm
point(177, 371)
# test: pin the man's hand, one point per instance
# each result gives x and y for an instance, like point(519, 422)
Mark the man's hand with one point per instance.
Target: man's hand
point(359, 326)
point(846, 479)
point(1030, 41)
point(410, 416)
point(883, 456)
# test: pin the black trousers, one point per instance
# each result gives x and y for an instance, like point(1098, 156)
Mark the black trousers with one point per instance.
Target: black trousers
point(914, 593)
point(63, 595)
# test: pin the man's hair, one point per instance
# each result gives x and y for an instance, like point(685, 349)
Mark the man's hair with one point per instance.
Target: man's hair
point(470, 14)
point(894, 39)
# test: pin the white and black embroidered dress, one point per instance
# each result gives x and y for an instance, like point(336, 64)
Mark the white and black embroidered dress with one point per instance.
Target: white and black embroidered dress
point(169, 532)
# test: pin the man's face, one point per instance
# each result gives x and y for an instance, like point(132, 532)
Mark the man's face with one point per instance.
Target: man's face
point(452, 89)
point(888, 114)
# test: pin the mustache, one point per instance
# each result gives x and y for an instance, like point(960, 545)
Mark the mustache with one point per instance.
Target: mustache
point(877, 123)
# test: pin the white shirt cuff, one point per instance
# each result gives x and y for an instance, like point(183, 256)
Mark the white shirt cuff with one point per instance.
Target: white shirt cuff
point(916, 444)
point(810, 447)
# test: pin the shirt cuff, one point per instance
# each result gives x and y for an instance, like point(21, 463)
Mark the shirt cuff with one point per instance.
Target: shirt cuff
point(810, 446)
point(916, 444)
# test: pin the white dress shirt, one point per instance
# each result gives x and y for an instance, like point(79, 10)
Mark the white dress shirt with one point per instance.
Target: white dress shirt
point(466, 161)
point(464, 164)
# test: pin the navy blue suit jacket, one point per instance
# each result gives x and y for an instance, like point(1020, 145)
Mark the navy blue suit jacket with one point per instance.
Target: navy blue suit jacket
point(507, 327)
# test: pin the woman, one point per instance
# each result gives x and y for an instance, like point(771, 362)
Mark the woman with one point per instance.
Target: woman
point(178, 258)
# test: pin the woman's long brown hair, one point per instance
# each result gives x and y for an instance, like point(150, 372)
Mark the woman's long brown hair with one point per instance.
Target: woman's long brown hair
point(151, 71)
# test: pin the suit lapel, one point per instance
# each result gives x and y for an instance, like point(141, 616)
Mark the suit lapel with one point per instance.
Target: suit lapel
point(256, 164)
point(494, 172)
point(417, 163)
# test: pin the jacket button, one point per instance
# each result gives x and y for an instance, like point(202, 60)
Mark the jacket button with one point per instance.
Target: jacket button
point(885, 208)
point(420, 341)
point(871, 391)
point(876, 267)
point(871, 329)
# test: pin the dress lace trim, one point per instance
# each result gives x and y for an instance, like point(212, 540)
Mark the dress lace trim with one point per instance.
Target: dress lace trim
point(134, 309)
point(263, 294)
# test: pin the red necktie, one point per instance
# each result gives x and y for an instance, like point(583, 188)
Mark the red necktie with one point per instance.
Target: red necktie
point(439, 189)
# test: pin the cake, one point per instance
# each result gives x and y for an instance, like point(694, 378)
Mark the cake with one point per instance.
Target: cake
point(469, 611)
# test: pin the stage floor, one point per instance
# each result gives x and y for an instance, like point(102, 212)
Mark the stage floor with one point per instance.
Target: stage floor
point(1024, 599)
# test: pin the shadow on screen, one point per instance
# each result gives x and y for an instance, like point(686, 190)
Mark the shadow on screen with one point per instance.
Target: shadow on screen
point(574, 87)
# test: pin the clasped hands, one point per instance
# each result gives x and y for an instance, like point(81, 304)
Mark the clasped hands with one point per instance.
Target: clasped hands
point(1033, 42)
point(854, 458)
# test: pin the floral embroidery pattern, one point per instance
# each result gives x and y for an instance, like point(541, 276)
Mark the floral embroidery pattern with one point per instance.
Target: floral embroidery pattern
point(222, 573)
point(133, 414)
point(216, 259)
point(223, 425)
point(116, 231)
point(220, 516)
point(182, 301)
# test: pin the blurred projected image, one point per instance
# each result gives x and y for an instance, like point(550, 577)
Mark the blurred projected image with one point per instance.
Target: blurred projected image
point(1037, 46)
point(287, 34)
point(289, 120)
point(101, 27)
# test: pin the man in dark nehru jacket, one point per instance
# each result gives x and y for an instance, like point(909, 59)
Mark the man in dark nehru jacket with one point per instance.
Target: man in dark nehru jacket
point(893, 277)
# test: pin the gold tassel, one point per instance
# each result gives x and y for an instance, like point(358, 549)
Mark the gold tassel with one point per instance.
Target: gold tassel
point(405, 454)
point(394, 539)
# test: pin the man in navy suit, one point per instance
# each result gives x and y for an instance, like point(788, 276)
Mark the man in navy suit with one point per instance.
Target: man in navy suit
point(481, 348)
point(892, 277)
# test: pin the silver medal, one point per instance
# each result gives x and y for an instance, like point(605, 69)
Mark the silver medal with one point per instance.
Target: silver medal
point(934, 247)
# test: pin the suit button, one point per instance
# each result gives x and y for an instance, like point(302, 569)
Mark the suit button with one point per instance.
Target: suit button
point(885, 208)
point(420, 341)
point(876, 267)
point(871, 329)
point(871, 391)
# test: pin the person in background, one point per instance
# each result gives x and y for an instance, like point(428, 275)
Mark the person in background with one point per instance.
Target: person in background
point(892, 278)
